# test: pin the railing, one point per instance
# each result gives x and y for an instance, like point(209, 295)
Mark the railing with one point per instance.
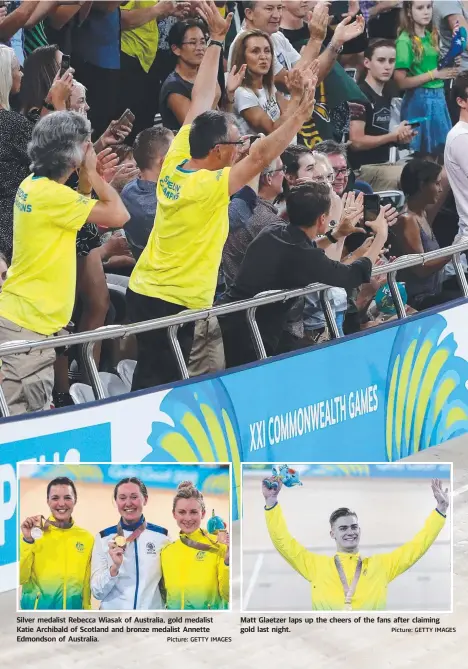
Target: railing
point(172, 323)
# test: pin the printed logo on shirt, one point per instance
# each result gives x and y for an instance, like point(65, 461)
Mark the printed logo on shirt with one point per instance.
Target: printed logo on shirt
point(79, 547)
point(150, 548)
point(20, 202)
point(170, 189)
point(219, 174)
point(81, 199)
point(200, 555)
point(381, 119)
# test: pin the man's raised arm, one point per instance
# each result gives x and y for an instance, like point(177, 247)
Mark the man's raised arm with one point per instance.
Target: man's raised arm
point(300, 559)
point(204, 88)
point(405, 557)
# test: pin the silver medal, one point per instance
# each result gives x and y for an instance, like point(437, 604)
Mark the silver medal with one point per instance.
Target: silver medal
point(36, 533)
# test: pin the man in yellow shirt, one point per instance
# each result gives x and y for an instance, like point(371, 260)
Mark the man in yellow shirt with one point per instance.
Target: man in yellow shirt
point(349, 581)
point(38, 295)
point(179, 267)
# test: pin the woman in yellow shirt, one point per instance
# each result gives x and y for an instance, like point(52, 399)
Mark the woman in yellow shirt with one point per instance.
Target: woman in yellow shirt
point(195, 568)
point(55, 555)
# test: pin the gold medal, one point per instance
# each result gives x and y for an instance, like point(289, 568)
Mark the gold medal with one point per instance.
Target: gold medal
point(120, 541)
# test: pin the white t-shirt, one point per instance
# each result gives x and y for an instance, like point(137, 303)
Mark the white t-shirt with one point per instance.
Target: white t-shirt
point(456, 164)
point(285, 54)
point(245, 98)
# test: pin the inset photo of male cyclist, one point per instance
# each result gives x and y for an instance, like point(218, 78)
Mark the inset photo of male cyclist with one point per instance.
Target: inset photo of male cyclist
point(346, 537)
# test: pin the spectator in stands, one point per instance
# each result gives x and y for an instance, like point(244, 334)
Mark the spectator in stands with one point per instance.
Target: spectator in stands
point(369, 133)
point(456, 156)
point(249, 213)
point(421, 181)
point(139, 44)
point(259, 105)
point(96, 60)
point(41, 71)
point(3, 270)
point(418, 74)
point(179, 267)
point(382, 18)
point(447, 15)
point(187, 40)
point(139, 196)
point(39, 293)
point(287, 257)
point(336, 154)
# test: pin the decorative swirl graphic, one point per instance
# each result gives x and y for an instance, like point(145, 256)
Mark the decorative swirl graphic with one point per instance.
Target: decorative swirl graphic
point(426, 395)
point(205, 427)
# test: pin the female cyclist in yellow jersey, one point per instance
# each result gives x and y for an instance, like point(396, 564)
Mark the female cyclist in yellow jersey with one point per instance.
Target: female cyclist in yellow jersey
point(195, 568)
point(55, 555)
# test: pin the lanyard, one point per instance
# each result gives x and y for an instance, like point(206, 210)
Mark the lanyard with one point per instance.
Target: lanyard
point(38, 531)
point(349, 590)
point(198, 544)
point(122, 541)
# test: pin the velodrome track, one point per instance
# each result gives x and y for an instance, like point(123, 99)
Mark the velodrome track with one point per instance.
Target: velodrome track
point(323, 646)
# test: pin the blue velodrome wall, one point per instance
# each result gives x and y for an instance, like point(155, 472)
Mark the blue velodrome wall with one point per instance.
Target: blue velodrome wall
point(376, 397)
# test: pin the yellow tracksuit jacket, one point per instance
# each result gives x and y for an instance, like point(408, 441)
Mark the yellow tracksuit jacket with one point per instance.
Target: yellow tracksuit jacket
point(55, 570)
point(377, 570)
point(195, 579)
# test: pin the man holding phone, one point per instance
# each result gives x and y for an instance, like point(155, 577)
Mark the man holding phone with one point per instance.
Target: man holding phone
point(369, 130)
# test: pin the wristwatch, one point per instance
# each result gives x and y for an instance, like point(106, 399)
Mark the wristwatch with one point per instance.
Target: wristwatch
point(48, 106)
point(215, 42)
point(335, 49)
point(330, 237)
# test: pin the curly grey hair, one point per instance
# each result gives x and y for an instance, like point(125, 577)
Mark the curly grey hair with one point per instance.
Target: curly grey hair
point(58, 143)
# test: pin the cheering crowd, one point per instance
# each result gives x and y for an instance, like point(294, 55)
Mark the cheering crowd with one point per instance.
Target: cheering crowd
point(163, 156)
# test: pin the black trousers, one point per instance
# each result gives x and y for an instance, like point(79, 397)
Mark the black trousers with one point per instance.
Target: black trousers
point(102, 90)
point(136, 92)
point(156, 363)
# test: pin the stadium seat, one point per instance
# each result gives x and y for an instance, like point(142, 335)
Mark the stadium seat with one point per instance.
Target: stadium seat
point(126, 369)
point(113, 384)
point(393, 197)
point(81, 393)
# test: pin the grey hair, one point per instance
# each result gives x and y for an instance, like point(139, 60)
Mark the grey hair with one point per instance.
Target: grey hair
point(7, 56)
point(57, 144)
point(330, 148)
point(266, 171)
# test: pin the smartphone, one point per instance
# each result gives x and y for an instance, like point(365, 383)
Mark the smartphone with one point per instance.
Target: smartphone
point(416, 122)
point(352, 72)
point(65, 64)
point(128, 117)
point(371, 207)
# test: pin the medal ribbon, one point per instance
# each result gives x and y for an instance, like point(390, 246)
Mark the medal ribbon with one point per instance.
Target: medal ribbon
point(56, 523)
point(349, 590)
point(198, 544)
point(134, 535)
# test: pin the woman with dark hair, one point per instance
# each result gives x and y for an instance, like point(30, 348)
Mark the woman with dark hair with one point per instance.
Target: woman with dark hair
point(257, 103)
point(126, 566)
point(195, 568)
point(422, 181)
point(55, 555)
point(188, 40)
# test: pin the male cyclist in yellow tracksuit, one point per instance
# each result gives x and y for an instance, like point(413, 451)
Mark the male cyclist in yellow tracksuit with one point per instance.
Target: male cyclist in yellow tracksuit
point(350, 581)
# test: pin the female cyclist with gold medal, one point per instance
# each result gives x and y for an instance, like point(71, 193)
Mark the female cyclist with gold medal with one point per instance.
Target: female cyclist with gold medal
point(195, 568)
point(55, 555)
point(126, 565)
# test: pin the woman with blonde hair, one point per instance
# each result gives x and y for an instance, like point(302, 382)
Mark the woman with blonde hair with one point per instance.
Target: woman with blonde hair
point(195, 568)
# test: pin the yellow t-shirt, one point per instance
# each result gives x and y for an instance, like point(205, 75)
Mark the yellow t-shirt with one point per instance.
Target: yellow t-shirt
point(181, 260)
point(39, 292)
point(142, 42)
